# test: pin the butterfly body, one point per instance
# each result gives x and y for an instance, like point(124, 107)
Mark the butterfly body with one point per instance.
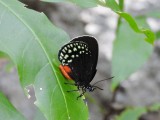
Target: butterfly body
point(79, 60)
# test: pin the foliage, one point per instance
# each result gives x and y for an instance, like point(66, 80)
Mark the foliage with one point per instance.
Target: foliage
point(33, 48)
point(129, 53)
point(132, 114)
point(7, 110)
point(33, 45)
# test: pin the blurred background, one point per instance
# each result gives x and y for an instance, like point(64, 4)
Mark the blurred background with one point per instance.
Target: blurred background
point(141, 89)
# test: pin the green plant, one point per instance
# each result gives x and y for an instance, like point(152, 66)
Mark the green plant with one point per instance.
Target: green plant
point(33, 45)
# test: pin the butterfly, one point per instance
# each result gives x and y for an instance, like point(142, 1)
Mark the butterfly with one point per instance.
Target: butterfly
point(79, 61)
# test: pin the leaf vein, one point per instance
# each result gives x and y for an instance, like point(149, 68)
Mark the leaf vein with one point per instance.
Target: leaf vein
point(40, 43)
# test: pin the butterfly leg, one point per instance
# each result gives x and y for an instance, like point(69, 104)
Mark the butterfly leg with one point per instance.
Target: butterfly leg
point(72, 90)
point(84, 90)
point(70, 83)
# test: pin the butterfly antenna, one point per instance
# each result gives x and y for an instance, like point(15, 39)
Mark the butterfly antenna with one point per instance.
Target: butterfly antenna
point(102, 80)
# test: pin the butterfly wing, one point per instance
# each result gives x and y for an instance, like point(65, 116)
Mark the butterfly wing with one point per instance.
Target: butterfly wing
point(81, 55)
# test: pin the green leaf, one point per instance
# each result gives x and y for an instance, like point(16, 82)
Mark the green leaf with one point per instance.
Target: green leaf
point(158, 34)
point(3, 55)
point(32, 42)
point(131, 113)
point(154, 14)
point(155, 107)
point(10, 63)
point(82, 3)
point(7, 110)
point(150, 37)
point(113, 5)
point(130, 52)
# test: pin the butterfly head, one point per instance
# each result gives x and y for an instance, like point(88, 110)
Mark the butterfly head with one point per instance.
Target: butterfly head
point(90, 88)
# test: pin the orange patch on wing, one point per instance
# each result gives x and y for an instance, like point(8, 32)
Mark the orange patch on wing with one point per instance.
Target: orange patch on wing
point(65, 70)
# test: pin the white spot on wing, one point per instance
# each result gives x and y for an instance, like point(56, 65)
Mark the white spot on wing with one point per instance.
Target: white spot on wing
point(71, 45)
point(60, 57)
point(63, 61)
point(74, 49)
point(69, 51)
point(69, 61)
point(62, 54)
point(66, 56)
point(65, 48)
point(40, 88)
point(72, 56)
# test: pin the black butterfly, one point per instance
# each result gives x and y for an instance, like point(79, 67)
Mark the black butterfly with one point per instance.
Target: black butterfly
point(78, 62)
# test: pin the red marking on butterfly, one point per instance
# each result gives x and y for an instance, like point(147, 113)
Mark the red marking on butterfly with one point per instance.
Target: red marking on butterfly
point(65, 71)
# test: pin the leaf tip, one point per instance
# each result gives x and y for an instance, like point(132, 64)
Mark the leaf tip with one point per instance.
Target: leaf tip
point(150, 37)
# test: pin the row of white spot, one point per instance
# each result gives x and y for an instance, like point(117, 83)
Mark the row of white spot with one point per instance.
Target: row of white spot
point(65, 49)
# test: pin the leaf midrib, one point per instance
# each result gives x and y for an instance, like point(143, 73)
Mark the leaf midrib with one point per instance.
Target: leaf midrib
point(54, 72)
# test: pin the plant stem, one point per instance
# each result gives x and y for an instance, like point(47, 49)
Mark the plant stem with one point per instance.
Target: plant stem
point(121, 5)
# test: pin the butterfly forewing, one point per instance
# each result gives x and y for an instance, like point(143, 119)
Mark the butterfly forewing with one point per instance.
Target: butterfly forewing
point(81, 55)
point(92, 45)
